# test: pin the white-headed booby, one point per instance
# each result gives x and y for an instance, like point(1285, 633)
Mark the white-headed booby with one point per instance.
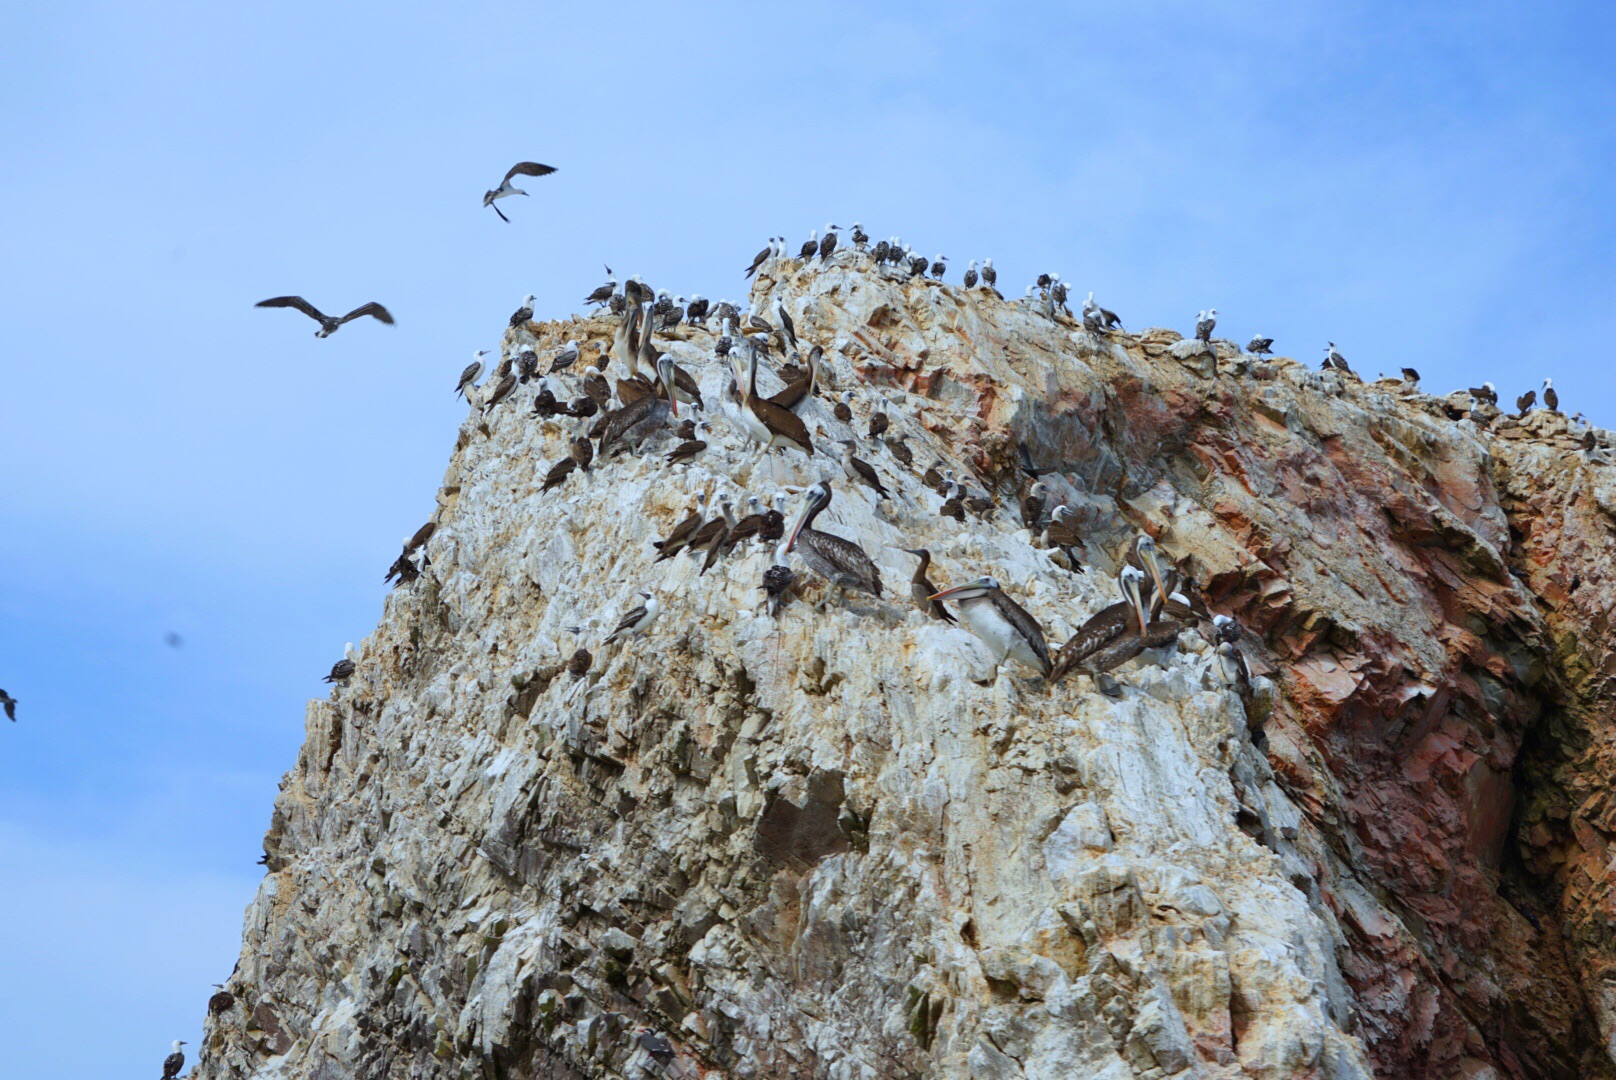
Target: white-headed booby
point(175, 1061)
point(472, 372)
point(637, 621)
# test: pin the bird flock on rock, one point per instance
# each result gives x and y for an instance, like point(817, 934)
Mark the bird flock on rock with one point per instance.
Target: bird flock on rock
point(627, 394)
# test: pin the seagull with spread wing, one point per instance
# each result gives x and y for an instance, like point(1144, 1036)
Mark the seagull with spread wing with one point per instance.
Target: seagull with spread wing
point(329, 323)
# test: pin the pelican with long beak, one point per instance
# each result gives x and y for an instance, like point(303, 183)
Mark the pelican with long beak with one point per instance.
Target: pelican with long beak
point(841, 562)
point(634, 421)
point(1108, 624)
point(1000, 623)
point(763, 421)
point(1143, 556)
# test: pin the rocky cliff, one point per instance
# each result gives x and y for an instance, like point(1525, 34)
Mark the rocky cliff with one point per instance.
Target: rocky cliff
point(839, 843)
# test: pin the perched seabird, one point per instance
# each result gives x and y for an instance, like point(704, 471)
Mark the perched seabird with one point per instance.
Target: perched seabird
point(1524, 403)
point(860, 471)
point(1485, 392)
point(527, 363)
point(1043, 281)
point(990, 276)
point(720, 538)
point(1108, 319)
point(659, 1048)
point(841, 562)
point(582, 450)
point(1032, 506)
point(843, 409)
point(1410, 375)
point(1334, 359)
point(220, 1002)
point(638, 621)
point(1551, 397)
point(687, 449)
point(1092, 322)
point(1061, 532)
point(502, 391)
point(341, 671)
point(860, 237)
point(810, 246)
point(763, 421)
point(175, 1061)
point(882, 251)
point(751, 525)
point(970, 275)
point(801, 387)
point(878, 422)
point(595, 386)
point(1260, 346)
point(1205, 322)
point(682, 532)
point(1143, 556)
point(634, 421)
point(1000, 623)
point(558, 473)
point(787, 324)
point(9, 703)
point(725, 341)
point(1107, 624)
point(329, 323)
point(827, 246)
point(921, 588)
point(505, 190)
point(900, 450)
point(696, 310)
point(524, 314)
point(933, 477)
point(565, 358)
point(545, 403)
point(938, 269)
point(603, 294)
point(472, 372)
point(953, 502)
point(761, 257)
point(774, 522)
point(1058, 294)
point(582, 407)
point(777, 582)
point(918, 265)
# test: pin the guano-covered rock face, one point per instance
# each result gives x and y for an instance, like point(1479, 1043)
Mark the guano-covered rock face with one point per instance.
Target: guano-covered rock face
point(837, 843)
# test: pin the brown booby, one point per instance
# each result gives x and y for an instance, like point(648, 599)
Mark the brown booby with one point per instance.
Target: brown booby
point(329, 323)
point(637, 621)
point(471, 373)
point(505, 190)
point(175, 1061)
point(921, 588)
point(860, 471)
point(751, 525)
point(788, 325)
point(841, 562)
point(682, 532)
point(341, 671)
point(633, 422)
point(1003, 625)
point(763, 421)
point(582, 450)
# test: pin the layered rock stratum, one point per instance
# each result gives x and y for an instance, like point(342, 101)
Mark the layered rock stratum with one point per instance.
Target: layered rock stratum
point(839, 843)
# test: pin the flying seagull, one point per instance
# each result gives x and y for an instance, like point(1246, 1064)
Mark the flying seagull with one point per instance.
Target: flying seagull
point(328, 323)
point(521, 168)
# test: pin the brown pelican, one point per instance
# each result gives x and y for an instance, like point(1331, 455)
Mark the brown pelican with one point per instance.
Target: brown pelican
point(634, 421)
point(638, 621)
point(647, 358)
point(860, 471)
point(765, 422)
point(505, 190)
point(1551, 397)
point(682, 532)
point(1260, 346)
point(175, 1061)
point(1143, 556)
point(1001, 624)
point(470, 375)
point(1107, 624)
point(1205, 322)
point(921, 588)
point(341, 671)
point(329, 323)
point(720, 538)
point(841, 562)
point(800, 387)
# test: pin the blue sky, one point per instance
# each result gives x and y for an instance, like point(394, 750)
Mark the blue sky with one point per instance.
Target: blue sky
point(1424, 184)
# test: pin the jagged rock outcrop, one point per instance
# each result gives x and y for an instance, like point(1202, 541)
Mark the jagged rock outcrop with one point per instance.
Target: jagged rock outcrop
point(835, 844)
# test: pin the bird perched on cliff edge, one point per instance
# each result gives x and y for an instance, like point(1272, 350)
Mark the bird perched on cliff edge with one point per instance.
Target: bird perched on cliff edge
point(1524, 403)
point(329, 323)
point(1551, 399)
point(175, 1061)
point(471, 373)
point(1205, 322)
point(505, 190)
point(1334, 359)
point(341, 671)
point(1260, 346)
point(524, 313)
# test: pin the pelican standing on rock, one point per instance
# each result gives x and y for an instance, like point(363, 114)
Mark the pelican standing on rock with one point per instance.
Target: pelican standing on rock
point(1107, 624)
point(762, 420)
point(634, 421)
point(1000, 623)
point(841, 562)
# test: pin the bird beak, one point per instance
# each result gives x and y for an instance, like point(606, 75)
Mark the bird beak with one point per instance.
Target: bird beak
point(1154, 567)
point(946, 593)
point(1138, 604)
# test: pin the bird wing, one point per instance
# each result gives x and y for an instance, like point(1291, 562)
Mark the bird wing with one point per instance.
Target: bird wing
point(527, 168)
point(628, 622)
point(1106, 624)
point(558, 472)
point(473, 369)
point(422, 535)
point(866, 470)
point(792, 395)
point(373, 309)
point(294, 302)
point(850, 555)
point(1027, 626)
